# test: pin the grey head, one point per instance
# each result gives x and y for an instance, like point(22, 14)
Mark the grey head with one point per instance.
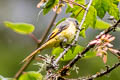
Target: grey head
point(73, 20)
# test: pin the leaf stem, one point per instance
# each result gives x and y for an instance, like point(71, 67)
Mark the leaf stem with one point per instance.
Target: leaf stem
point(34, 38)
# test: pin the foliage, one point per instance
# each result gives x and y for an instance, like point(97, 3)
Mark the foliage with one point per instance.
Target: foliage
point(31, 75)
point(49, 5)
point(72, 52)
point(101, 25)
point(22, 28)
point(94, 19)
point(103, 6)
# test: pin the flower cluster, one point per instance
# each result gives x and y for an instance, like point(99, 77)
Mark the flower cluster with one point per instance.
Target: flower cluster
point(103, 45)
point(57, 6)
point(41, 3)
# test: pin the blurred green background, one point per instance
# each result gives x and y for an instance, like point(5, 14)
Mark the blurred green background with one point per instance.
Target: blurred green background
point(15, 47)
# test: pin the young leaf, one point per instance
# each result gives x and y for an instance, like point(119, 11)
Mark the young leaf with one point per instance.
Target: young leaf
point(82, 33)
point(115, 2)
point(22, 28)
point(79, 48)
point(101, 6)
point(49, 5)
point(31, 76)
point(110, 6)
point(75, 7)
point(90, 54)
point(71, 53)
point(91, 17)
point(57, 51)
point(68, 56)
point(114, 11)
point(101, 25)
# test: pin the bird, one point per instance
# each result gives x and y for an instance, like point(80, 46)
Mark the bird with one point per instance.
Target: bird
point(63, 33)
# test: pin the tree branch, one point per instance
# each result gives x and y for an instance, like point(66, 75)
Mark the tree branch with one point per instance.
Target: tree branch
point(99, 74)
point(20, 71)
point(48, 29)
point(102, 73)
point(69, 1)
point(73, 43)
point(26, 64)
point(80, 55)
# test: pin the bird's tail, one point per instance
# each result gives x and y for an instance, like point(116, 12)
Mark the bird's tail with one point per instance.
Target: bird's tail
point(32, 54)
point(45, 45)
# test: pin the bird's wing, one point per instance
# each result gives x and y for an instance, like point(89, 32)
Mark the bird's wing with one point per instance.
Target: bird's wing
point(62, 26)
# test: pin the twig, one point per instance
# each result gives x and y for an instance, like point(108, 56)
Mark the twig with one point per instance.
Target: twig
point(78, 13)
point(102, 73)
point(40, 42)
point(74, 41)
point(22, 69)
point(115, 52)
point(98, 74)
point(80, 55)
point(34, 38)
point(47, 30)
point(69, 1)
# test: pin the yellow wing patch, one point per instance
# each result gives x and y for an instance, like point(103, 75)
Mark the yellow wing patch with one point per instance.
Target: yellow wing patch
point(53, 34)
point(58, 30)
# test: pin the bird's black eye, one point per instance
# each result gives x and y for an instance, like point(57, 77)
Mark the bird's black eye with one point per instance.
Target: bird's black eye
point(76, 22)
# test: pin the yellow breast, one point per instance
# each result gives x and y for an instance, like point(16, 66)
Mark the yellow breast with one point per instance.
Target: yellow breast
point(70, 32)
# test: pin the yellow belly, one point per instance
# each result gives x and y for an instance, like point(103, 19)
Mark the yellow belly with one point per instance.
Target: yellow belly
point(69, 33)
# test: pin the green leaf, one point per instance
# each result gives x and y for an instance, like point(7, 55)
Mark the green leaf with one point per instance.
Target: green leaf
point(71, 53)
point(49, 5)
point(75, 7)
point(115, 2)
point(22, 28)
point(110, 6)
point(91, 17)
point(69, 9)
point(68, 56)
point(101, 6)
point(80, 1)
point(90, 54)
point(101, 25)
point(31, 76)
point(114, 11)
point(79, 49)
point(57, 51)
point(82, 33)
